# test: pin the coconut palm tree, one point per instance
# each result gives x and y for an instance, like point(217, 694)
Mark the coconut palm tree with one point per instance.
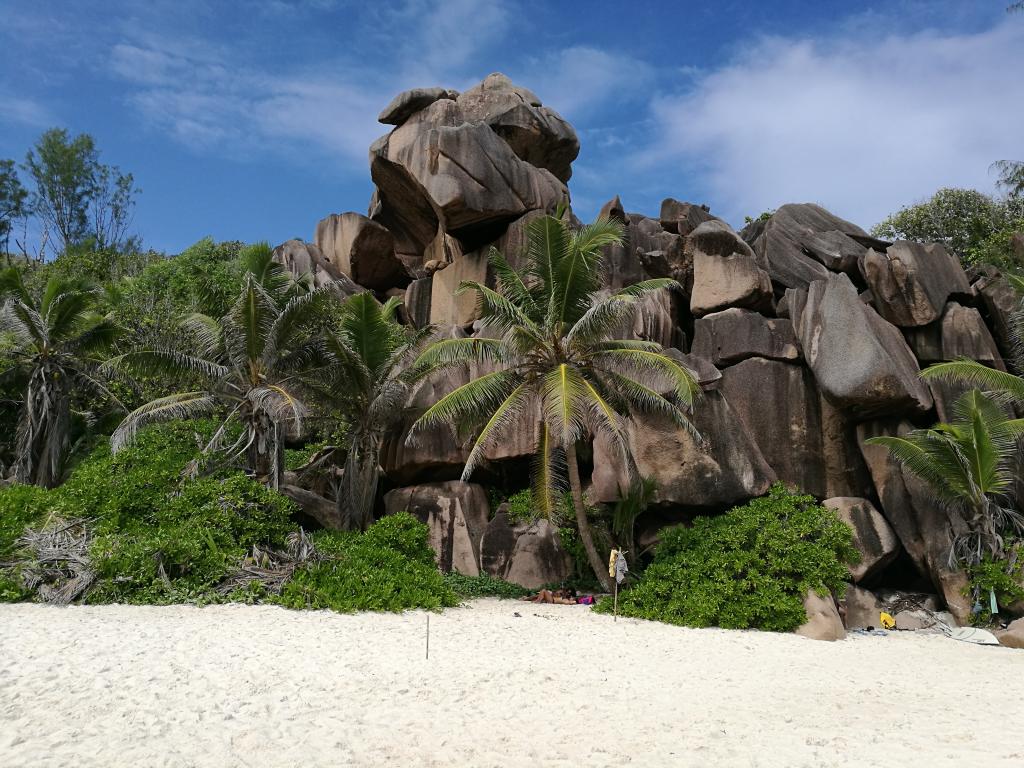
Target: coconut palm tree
point(968, 465)
point(367, 385)
point(251, 365)
point(53, 348)
point(556, 355)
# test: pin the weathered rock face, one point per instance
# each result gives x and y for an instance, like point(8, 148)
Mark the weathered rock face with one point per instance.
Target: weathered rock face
point(469, 166)
point(910, 283)
point(456, 513)
point(361, 249)
point(863, 609)
point(800, 242)
point(861, 362)
point(300, 257)
point(445, 307)
point(960, 332)
point(535, 133)
point(731, 468)
point(726, 272)
point(528, 555)
point(804, 441)
point(1001, 301)
point(873, 537)
point(734, 335)
point(923, 528)
point(823, 622)
point(408, 103)
point(683, 218)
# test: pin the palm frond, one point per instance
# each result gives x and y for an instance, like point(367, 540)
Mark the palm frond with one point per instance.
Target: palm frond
point(205, 333)
point(975, 374)
point(471, 404)
point(564, 402)
point(447, 353)
point(165, 362)
point(185, 405)
point(656, 368)
point(549, 474)
point(512, 286)
point(504, 416)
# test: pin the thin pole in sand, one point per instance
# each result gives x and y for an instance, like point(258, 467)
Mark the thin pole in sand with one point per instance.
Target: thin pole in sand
point(616, 618)
point(428, 635)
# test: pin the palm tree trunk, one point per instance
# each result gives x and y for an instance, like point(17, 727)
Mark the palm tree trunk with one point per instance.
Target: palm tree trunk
point(362, 476)
point(582, 524)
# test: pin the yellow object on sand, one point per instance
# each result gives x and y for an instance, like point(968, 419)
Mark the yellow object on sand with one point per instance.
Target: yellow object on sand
point(887, 621)
point(611, 562)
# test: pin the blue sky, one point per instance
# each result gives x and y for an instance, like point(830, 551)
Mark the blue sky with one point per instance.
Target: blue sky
point(251, 120)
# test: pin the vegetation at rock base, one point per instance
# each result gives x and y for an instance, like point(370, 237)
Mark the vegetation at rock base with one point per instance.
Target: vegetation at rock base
point(557, 352)
point(968, 465)
point(747, 568)
point(1004, 577)
point(469, 587)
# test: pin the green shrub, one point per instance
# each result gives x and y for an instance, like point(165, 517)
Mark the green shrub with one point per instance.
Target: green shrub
point(750, 567)
point(20, 506)
point(483, 585)
point(1004, 577)
point(388, 568)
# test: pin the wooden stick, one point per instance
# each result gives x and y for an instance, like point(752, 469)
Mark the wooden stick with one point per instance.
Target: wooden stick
point(616, 618)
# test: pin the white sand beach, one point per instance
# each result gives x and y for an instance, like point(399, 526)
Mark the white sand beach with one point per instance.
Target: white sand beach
point(557, 685)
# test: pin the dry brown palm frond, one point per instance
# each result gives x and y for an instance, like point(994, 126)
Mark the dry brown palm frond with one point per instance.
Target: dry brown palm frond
point(272, 568)
point(56, 564)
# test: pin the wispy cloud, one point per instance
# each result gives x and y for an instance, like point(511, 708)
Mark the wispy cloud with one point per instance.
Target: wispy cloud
point(862, 128)
point(19, 110)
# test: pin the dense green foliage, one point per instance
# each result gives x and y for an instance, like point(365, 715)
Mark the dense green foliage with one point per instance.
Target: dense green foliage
point(390, 567)
point(973, 225)
point(470, 587)
point(750, 567)
point(1005, 577)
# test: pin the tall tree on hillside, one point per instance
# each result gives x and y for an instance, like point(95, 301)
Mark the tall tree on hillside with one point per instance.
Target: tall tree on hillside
point(968, 465)
point(55, 346)
point(556, 354)
point(75, 194)
point(13, 198)
point(251, 366)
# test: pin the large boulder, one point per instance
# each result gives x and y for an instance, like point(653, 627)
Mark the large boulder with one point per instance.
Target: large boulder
point(646, 251)
point(1013, 635)
point(801, 242)
point(823, 622)
point(860, 361)
point(447, 308)
point(1001, 302)
point(655, 319)
point(961, 332)
point(534, 132)
point(924, 528)
point(735, 334)
point(457, 515)
point(362, 249)
point(727, 470)
point(862, 609)
point(806, 442)
point(438, 172)
point(726, 273)
point(873, 537)
point(300, 258)
point(683, 218)
point(911, 282)
point(530, 555)
point(408, 103)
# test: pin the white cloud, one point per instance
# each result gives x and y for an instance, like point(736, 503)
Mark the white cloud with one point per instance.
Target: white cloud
point(579, 79)
point(862, 126)
point(18, 110)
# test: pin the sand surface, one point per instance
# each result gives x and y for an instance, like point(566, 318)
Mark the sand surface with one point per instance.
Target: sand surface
point(558, 685)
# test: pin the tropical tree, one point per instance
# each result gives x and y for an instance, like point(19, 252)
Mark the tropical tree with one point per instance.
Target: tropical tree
point(12, 202)
point(968, 465)
point(252, 365)
point(367, 385)
point(53, 349)
point(556, 355)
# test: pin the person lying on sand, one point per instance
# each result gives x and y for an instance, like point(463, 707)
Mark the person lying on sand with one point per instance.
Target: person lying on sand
point(558, 597)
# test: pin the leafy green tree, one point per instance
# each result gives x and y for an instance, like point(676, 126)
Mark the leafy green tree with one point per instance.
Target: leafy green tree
point(968, 465)
point(1011, 177)
point(556, 355)
point(367, 386)
point(971, 224)
point(54, 348)
point(250, 365)
point(13, 197)
point(75, 194)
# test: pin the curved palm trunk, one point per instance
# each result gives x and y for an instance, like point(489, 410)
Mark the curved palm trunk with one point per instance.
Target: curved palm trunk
point(265, 455)
point(582, 524)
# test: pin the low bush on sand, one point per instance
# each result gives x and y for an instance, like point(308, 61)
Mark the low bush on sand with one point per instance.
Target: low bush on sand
point(748, 568)
point(130, 529)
